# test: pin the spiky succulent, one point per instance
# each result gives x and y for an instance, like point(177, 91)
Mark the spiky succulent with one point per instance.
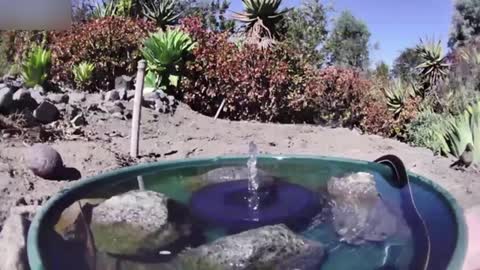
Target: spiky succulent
point(434, 66)
point(261, 18)
point(396, 94)
point(161, 11)
point(82, 73)
point(165, 51)
point(35, 67)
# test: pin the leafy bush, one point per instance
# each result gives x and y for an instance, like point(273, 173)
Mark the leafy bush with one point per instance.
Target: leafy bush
point(112, 44)
point(36, 66)
point(332, 96)
point(256, 84)
point(427, 130)
point(165, 53)
point(82, 74)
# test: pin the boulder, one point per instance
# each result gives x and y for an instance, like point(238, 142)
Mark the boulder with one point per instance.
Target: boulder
point(112, 95)
point(263, 248)
point(76, 98)
point(232, 173)
point(23, 99)
point(123, 82)
point(359, 214)
point(44, 161)
point(37, 95)
point(46, 113)
point(58, 98)
point(135, 223)
point(6, 99)
point(13, 238)
point(79, 120)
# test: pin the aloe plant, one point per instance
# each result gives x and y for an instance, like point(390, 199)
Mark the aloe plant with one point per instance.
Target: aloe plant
point(111, 8)
point(261, 18)
point(82, 73)
point(396, 94)
point(165, 53)
point(161, 11)
point(35, 67)
point(434, 66)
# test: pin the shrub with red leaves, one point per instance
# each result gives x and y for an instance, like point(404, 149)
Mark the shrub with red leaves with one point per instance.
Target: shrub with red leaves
point(255, 83)
point(111, 44)
point(332, 96)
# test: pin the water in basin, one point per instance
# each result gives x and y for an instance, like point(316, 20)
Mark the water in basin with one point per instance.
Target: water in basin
point(389, 237)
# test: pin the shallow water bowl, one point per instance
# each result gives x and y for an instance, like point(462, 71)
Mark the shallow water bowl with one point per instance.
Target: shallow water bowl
point(180, 180)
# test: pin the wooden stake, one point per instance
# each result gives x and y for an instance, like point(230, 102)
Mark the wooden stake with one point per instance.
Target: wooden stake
point(137, 110)
point(219, 109)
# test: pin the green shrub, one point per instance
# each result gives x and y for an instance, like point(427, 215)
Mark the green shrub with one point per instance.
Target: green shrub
point(36, 67)
point(427, 130)
point(82, 74)
point(112, 44)
point(165, 53)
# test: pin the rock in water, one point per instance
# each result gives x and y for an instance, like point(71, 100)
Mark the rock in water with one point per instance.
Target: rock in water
point(13, 239)
point(359, 214)
point(134, 223)
point(232, 173)
point(263, 248)
point(6, 99)
point(44, 161)
point(46, 113)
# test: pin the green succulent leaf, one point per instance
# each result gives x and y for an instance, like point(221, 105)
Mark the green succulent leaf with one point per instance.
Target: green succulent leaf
point(36, 66)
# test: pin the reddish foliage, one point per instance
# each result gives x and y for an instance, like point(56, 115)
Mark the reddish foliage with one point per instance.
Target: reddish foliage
point(111, 43)
point(255, 83)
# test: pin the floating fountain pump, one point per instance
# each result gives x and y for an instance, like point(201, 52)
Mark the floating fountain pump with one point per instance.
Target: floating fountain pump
point(254, 202)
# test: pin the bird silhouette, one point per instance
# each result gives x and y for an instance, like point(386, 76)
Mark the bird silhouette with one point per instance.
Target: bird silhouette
point(465, 159)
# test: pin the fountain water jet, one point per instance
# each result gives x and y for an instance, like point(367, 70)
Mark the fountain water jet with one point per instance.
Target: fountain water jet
point(251, 203)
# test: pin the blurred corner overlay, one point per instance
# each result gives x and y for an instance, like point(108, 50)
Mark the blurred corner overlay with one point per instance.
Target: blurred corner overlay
point(35, 14)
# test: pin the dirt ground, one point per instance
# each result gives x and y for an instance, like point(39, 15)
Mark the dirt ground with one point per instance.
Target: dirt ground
point(188, 134)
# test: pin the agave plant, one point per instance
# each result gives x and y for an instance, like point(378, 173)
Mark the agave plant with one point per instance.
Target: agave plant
point(434, 66)
point(112, 8)
point(462, 130)
point(261, 18)
point(35, 67)
point(82, 73)
point(161, 11)
point(396, 94)
point(165, 53)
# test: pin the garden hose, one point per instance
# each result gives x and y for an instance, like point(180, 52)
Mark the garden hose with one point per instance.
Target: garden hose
point(401, 180)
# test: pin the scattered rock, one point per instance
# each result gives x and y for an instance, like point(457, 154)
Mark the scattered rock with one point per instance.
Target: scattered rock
point(72, 111)
point(130, 94)
point(44, 161)
point(225, 174)
point(46, 112)
point(75, 98)
point(258, 249)
point(112, 95)
point(58, 98)
point(78, 120)
point(94, 99)
point(37, 95)
point(359, 214)
point(6, 99)
point(123, 82)
point(122, 93)
point(23, 99)
point(133, 223)
point(13, 239)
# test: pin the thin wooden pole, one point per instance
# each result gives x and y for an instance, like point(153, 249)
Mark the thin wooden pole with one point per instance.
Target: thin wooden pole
point(137, 109)
point(220, 109)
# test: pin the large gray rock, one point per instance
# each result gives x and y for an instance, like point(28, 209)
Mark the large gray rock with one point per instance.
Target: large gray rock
point(112, 95)
point(6, 99)
point(24, 100)
point(44, 161)
point(359, 214)
point(37, 95)
point(232, 173)
point(46, 113)
point(134, 223)
point(13, 239)
point(76, 98)
point(58, 98)
point(269, 247)
point(123, 82)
